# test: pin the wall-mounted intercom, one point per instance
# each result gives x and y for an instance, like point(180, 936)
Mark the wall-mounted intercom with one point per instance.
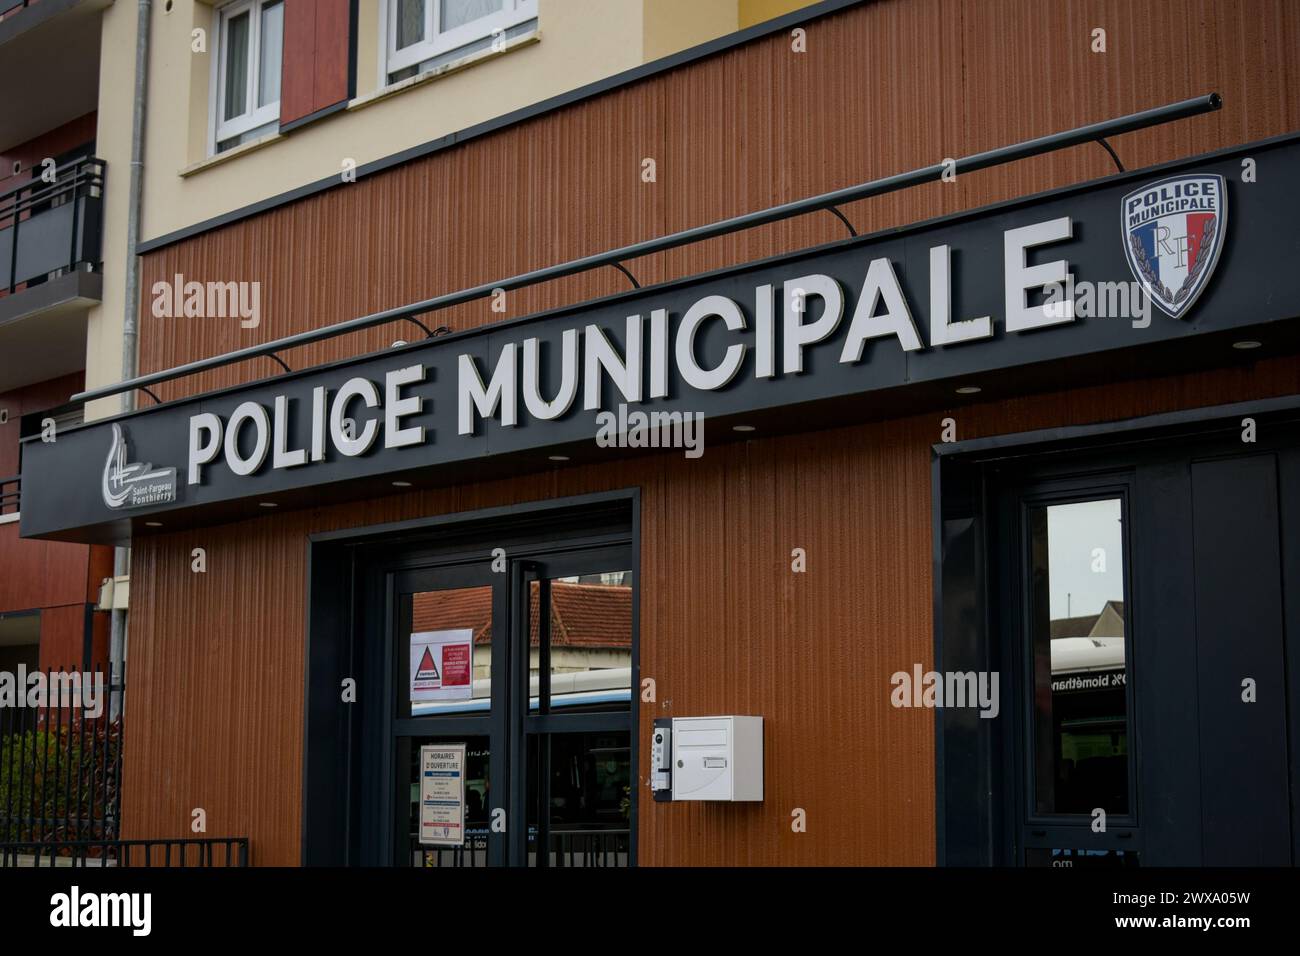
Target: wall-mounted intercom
point(661, 757)
point(709, 758)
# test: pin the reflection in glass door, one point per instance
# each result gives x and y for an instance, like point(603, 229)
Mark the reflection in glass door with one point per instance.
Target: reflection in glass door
point(1080, 803)
point(1077, 628)
point(576, 726)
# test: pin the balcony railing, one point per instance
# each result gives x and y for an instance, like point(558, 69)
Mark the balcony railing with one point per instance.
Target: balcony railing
point(9, 494)
point(49, 228)
point(10, 7)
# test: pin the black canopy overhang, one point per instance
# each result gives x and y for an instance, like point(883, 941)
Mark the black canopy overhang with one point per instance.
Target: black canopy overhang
point(1254, 286)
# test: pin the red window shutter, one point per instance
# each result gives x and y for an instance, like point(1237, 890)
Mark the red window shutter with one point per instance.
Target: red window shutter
point(315, 62)
point(298, 61)
point(333, 51)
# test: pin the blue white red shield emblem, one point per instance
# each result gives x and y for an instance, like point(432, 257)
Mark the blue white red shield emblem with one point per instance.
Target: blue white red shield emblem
point(1173, 234)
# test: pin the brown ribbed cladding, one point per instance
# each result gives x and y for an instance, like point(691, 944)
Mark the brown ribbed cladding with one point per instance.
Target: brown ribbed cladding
point(216, 673)
point(216, 708)
point(882, 88)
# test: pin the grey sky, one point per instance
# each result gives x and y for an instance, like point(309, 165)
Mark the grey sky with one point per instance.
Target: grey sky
point(1073, 531)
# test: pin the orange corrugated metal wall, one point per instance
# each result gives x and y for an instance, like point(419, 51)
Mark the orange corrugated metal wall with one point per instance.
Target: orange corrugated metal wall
point(216, 670)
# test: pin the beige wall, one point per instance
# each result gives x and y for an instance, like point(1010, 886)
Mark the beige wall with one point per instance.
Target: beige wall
point(672, 25)
point(579, 41)
point(751, 12)
point(113, 144)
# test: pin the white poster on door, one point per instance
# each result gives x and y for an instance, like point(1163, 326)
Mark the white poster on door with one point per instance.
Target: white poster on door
point(442, 665)
point(442, 794)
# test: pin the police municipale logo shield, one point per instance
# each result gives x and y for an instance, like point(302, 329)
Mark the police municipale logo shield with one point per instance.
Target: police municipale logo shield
point(1173, 233)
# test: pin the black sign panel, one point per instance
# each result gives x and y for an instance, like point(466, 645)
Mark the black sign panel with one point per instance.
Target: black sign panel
point(1067, 288)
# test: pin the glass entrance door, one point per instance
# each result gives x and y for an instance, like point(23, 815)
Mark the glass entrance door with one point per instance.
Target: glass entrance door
point(511, 710)
point(1077, 746)
point(574, 727)
point(448, 740)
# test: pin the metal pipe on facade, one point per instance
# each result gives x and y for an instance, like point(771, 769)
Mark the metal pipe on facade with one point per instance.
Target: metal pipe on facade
point(130, 317)
point(994, 157)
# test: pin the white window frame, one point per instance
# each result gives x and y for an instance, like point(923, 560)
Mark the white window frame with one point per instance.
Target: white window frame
point(253, 116)
point(435, 42)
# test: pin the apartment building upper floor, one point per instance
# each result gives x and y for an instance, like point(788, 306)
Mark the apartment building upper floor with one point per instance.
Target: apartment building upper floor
point(51, 186)
point(251, 99)
point(53, 236)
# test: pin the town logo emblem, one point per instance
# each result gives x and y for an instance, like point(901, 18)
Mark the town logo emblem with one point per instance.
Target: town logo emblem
point(1173, 234)
point(134, 484)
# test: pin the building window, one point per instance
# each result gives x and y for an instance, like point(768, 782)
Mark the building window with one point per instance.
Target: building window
point(1080, 658)
point(246, 88)
point(425, 34)
point(1079, 740)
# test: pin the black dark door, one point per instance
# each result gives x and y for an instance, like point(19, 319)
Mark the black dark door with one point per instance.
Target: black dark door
point(1241, 684)
point(1140, 598)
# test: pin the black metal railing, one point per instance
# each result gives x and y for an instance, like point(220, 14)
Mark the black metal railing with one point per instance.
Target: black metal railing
point(187, 852)
point(61, 758)
point(474, 852)
point(49, 228)
point(10, 493)
point(590, 847)
point(61, 780)
point(10, 7)
point(568, 848)
point(1093, 133)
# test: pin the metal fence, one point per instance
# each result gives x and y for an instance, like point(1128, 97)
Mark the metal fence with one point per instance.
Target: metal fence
point(589, 848)
point(61, 780)
point(60, 758)
point(568, 848)
point(188, 852)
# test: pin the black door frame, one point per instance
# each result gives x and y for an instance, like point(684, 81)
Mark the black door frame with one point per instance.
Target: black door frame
point(348, 574)
point(387, 807)
point(976, 822)
point(1009, 616)
point(526, 726)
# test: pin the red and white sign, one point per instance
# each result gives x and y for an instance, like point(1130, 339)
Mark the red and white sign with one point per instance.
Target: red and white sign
point(442, 665)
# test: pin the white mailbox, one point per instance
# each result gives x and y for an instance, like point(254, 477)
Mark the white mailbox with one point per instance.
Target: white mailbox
point(717, 758)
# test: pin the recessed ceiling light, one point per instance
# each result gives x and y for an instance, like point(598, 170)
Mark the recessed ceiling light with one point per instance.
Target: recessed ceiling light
point(969, 390)
point(153, 524)
point(558, 457)
point(742, 428)
point(401, 484)
point(267, 504)
point(1246, 344)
